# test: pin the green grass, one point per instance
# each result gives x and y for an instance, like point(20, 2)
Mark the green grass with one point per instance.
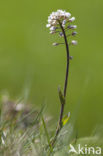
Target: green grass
point(28, 132)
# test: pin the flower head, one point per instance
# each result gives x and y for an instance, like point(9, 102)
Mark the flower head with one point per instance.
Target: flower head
point(60, 22)
point(55, 17)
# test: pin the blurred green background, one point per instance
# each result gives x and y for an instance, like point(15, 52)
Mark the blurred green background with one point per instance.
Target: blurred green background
point(30, 67)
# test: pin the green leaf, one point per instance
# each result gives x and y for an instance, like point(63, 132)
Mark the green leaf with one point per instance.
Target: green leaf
point(61, 96)
point(66, 119)
point(47, 134)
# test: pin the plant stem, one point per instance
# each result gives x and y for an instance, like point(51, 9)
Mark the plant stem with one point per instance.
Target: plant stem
point(65, 85)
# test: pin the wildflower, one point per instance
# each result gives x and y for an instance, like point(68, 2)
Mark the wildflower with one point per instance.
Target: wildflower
point(56, 17)
point(60, 22)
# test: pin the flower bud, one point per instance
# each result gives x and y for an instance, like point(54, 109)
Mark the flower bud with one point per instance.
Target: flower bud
point(63, 23)
point(73, 42)
point(72, 26)
point(61, 34)
point(55, 44)
point(70, 57)
point(74, 33)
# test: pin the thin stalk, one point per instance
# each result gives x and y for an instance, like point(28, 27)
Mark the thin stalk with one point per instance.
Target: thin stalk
point(65, 86)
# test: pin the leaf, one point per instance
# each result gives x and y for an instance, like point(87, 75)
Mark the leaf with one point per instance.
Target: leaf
point(66, 119)
point(47, 134)
point(61, 96)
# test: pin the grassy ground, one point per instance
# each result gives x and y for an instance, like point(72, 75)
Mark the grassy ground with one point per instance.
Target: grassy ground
point(25, 131)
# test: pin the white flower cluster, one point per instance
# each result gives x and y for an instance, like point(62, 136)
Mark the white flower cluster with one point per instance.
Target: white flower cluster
point(59, 20)
point(59, 16)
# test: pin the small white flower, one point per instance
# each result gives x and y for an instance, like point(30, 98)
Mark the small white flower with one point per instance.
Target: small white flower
point(72, 19)
point(67, 14)
point(49, 20)
point(74, 27)
point(58, 16)
point(53, 28)
point(73, 42)
point(48, 25)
